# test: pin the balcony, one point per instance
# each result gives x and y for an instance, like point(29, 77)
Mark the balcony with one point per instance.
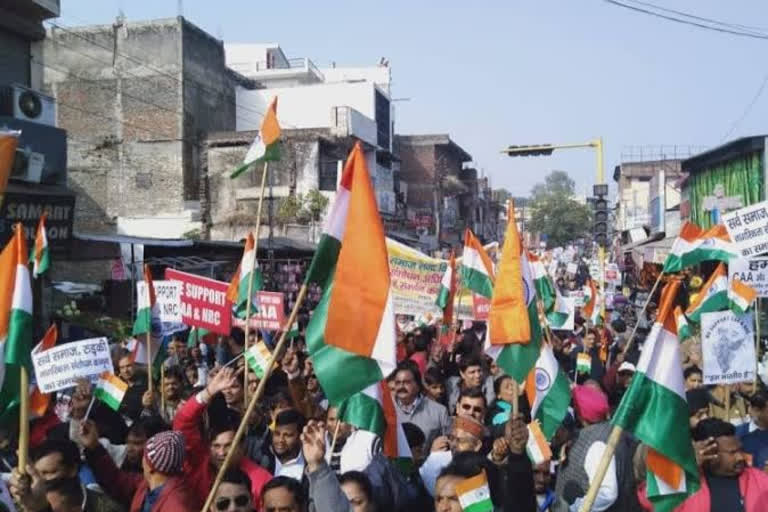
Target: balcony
point(302, 70)
point(348, 122)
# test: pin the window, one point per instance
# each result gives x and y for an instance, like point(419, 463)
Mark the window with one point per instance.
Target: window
point(328, 174)
point(382, 120)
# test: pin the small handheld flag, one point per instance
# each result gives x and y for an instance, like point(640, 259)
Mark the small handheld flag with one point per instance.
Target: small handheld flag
point(40, 255)
point(110, 390)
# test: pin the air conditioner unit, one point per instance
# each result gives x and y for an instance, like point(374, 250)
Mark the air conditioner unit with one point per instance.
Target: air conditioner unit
point(27, 166)
point(27, 104)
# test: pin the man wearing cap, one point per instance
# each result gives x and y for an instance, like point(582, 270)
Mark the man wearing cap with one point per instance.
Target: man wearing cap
point(160, 489)
point(466, 435)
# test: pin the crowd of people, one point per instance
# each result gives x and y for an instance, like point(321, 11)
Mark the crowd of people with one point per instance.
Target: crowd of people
point(162, 450)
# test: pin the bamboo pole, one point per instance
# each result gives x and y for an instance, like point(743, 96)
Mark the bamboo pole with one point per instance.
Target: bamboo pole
point(335, 432)
point(250, 277)
point(637, 323)
point(150, 384)
point(23, 421)
point(757, 344)
point(162, 388)
point(516, 399)
point(254, 399)
point(602, 469)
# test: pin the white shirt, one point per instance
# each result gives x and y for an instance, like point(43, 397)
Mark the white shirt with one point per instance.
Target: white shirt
point(432, 467)
point(293, 468)
point(609, 489)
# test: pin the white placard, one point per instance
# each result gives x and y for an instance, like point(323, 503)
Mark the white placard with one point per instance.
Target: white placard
point(728, 347)
point(753, 272)
point(168, 305)
point(572, 268)
point(748, 228)
point(59, 367)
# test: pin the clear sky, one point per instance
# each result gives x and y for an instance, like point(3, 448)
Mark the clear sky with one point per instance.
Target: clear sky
point(493, 73)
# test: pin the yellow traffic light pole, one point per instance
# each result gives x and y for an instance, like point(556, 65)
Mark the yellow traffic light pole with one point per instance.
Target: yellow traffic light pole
point(546, 149)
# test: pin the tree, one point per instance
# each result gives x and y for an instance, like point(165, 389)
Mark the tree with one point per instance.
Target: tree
point(555, 213)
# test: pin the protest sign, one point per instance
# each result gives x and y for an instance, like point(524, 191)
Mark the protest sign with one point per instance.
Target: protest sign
point(572, 268)
point(748, 228)
point(414, 279)
point(203, 302)
point(753, 272)
point(612, 274)
point(481, 306)
point(167, 306)
point(727, 347)
point(271, 312)
point(579, 298)
point(59, 367)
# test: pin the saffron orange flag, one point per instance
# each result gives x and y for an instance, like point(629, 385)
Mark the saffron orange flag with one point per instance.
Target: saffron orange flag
point(508, 318)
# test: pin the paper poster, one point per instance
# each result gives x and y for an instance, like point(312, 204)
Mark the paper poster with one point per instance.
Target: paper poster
point(753, 272)
point(203, 301)
point(728, 347)
point(167, 294)
point(414, 279)
point(60, 367)
point(748, 228)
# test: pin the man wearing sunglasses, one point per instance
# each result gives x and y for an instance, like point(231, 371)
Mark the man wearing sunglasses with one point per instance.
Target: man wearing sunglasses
point(234, 493)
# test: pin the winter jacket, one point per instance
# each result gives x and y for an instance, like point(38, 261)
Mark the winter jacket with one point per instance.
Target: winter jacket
point(132, 488)
point(753, 484)
point(431, 417)
point(197, 461)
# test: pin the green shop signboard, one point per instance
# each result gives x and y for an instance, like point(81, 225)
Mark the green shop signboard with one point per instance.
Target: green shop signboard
point(725, 187)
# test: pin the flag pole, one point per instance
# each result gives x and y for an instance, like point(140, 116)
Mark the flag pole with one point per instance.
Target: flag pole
point(757, 344)
point(602, 469)
point(335, 433)
point(162, 388)
point(150, 361)
point(23, 420)
point(637, 322)
point(250, 278)
point(254, 399)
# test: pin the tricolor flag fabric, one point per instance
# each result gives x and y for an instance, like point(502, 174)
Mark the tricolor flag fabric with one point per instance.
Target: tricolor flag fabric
point(548, 391)
point(110, 389)
point(9, 140)
point(513, 291)
point(537, 447)
point(447, 290)
point(475, 494)
point(591, 310)
point(560, 313)
point(38, 402)
point(293, 332)
point(476, 266)
point(146, 305)
point(517, 359)
point(544, 287)
point(741, 296)
point(199, 335)
point(257, 356)
point(583, 363)
point(655, 411)
point(373, 410)
point(15, 323)
point(237, 292)
point(694, 245)
point(351, 334)
point(712, 297)
point(40, 256)
point(683, 328)
point(139, 354)
point(266, 146)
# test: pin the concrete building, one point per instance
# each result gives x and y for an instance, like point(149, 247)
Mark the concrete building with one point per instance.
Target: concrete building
point(137, 99)
point(347, 102)
point(432, 168)
point(634, 193)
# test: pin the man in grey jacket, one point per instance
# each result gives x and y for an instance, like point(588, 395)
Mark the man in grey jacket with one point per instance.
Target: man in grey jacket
point(413, 407)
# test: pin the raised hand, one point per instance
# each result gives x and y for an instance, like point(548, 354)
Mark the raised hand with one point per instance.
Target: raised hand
point(313, 444)
point(225, 378)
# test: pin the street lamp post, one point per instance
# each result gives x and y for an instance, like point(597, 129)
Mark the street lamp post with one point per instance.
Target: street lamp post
point(546, 150)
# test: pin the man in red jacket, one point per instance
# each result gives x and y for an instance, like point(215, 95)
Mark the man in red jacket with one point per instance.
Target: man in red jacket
point(205, 459)
point(160, 489)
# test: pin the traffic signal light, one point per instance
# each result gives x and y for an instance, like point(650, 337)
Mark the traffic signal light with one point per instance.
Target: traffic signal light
point(532, 150)
point(600, 224)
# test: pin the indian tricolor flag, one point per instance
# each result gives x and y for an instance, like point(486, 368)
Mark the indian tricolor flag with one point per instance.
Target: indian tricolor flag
point(560, 313)
point(548, 391)
point(237, 293)
point(513, 291)
point(537, 447)
point(373, 410)
point(545, 290)
point(683, 328)
point(447, 288)
point(712, 297)
point(351, 334)
point(474, 494)
point(655, 411)
point(694, 245)
point(476, 266)
point(110, 390)
point(9, 140)
point(741, 296)
point(266, 146)
point(146, 304)
point(591, 310)
point(38, 402)
point(516, 358)
point(15, 323)
point(40, 256)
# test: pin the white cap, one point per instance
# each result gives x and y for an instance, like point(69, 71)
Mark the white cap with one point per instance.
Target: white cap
point(626, 367)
